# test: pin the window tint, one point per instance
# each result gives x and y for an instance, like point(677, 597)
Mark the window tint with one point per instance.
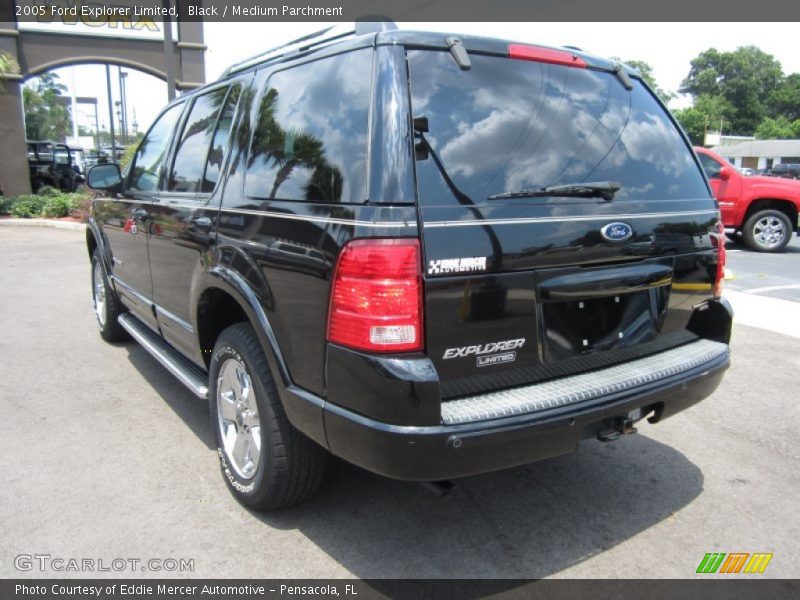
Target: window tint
point(151, 152)
point(509, 125)
point(710, 166)
point(220, 140)
point(192, 150)
point(310, 139)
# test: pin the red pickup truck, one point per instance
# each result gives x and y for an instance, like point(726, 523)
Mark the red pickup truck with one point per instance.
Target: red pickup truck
point(762, 209)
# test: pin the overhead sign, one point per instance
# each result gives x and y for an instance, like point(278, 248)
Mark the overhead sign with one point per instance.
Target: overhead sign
point(115, 18)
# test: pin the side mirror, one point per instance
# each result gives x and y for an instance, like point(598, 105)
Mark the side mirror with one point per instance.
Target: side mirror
point(104, 177)
point(724, 173)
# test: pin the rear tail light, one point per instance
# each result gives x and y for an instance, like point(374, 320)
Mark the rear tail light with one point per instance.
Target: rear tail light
point(718, 240)
point(376, 296)
point(546, 55)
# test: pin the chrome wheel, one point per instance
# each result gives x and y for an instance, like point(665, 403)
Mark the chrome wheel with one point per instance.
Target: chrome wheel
point(769, 232)
point(99, 294)
point(238, 420)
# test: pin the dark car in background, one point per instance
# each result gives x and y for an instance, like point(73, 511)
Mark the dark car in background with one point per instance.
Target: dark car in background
point(53, 164)
point(786, 170)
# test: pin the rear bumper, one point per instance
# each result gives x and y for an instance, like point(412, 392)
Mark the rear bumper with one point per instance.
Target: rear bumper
point(448, 451)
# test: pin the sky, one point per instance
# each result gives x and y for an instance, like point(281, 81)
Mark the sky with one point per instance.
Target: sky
point(667, 47)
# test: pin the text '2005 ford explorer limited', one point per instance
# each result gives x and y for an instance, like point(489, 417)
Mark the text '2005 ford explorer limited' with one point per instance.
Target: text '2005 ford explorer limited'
point(431, 256)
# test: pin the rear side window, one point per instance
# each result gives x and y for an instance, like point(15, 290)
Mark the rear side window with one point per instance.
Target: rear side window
point(509, 125)
point(310, 138)
point(710, 166)
point(149, 158)
point(220, 140)
point(196, 140)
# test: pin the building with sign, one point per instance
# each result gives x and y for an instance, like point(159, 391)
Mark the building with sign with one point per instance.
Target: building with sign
point(59, 33)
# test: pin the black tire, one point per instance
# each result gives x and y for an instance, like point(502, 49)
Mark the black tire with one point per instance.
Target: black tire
point(290, 466)
point(773, 218)
point(106, 315)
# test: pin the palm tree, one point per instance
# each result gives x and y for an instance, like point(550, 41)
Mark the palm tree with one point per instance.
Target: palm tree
point(325, 184)
point(285, 149)
point(8, 66)
point(298, 149)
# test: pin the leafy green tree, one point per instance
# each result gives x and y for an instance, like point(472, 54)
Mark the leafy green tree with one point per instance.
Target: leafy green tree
point(646, 72)
point(707, 112)
point(46, 115)
point(694, 123)
point(745, 78)
point(785, 99)
point(779, 128)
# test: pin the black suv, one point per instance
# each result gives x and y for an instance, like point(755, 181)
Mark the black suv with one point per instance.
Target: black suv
point(786, 170)
point(431, 256)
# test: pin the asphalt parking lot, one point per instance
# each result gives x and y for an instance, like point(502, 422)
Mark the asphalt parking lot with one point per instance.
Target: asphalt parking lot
point(772, 275)
point(106, 456)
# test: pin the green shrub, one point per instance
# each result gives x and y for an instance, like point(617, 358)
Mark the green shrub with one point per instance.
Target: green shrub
point(81, 206)
point(27, 206)
point(51, 206)
point(48, 191)
point(57, 206)
point(127, 156)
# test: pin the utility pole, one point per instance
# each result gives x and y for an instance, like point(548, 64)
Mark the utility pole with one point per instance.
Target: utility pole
point(118, 104)
point(74, 108)
point(122, 75)
point(96, 124)
point(110, 114)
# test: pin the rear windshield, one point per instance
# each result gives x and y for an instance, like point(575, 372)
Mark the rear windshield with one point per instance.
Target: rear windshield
point(509, 125)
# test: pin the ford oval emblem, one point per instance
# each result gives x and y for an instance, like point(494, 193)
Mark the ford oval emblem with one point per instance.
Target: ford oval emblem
point(616, 232)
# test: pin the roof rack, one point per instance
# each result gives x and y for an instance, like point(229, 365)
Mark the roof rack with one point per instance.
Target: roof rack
point(318, 38)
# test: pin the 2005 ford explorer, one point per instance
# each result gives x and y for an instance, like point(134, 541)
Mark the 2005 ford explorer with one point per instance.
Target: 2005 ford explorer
point(432, 256)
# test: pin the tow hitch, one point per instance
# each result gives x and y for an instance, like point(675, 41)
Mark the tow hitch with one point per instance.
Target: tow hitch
point(621, 426)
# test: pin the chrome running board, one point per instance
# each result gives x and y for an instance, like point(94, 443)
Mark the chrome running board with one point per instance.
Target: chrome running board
point(185, 371)
point(584, 387)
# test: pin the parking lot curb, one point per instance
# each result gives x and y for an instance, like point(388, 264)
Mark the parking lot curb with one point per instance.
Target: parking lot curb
point(43, 223)
point(764, 312)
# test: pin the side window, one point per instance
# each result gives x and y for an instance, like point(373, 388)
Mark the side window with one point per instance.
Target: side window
point(220, 141)
point(152, 150)
point(710, 166)
point(310, 138)
point(195, 141)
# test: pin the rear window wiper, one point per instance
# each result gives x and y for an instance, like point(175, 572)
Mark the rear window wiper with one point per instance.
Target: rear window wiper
point(598, 189)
